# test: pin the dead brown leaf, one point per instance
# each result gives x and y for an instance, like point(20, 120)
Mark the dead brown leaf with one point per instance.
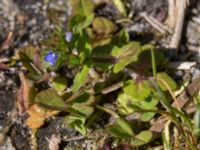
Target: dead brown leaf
point(38, 116)
point(22, 99)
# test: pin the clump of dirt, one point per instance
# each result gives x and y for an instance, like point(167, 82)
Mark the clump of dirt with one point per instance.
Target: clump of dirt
point(20, 137)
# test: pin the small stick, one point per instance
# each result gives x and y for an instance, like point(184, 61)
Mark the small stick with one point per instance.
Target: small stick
point(152, 23)
point(112, 88)
point(180, 8)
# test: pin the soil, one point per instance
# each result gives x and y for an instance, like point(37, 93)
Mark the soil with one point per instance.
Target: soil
point(30, 21)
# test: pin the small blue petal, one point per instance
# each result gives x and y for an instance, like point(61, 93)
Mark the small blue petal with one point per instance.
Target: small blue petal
point(68, 36)
point(51, 57)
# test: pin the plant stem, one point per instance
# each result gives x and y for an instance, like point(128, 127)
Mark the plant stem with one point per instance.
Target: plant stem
point(153, 61)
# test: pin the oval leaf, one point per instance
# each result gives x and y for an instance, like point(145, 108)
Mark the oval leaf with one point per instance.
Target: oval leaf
point(137, 90)
point(142, 138)
point(76, 122)
point(121, 129)
point(104, 26)
point(127, 54)
point(59, 84)
point(50, 98)
point(120, 6)
point(80, 78)
point(164, 78)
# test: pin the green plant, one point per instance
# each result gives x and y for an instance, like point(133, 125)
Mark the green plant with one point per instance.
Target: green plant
point(96, 54)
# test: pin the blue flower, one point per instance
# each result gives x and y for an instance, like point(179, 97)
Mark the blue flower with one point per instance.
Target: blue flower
point(68, 36)
point(51, 57)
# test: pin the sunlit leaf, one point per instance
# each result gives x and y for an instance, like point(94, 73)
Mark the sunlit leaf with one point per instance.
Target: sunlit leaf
point(121, 129)
point(101, 42)
point(85, 7)
point(104, 26)
point(138, 90)
point(120, 6)
point(148, 103)
point(125, 125)
point(50, 98)
point(164, 78)
point(82, 7)
point(127, 54)
point(123, 100)
point(147, 116)
point(76, 122)
point(142, 138)
point(79, 22)
point(80, 78)
point(59, 83)
point(83, 109)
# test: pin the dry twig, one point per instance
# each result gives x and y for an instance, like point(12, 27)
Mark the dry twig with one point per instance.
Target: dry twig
point(154, 23)
point(176, 20)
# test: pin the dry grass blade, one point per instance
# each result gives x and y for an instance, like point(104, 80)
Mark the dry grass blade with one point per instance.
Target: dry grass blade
point(23, 95)
point(182, 99)
point(112, 88)
point(152, 23)
point(6, 41)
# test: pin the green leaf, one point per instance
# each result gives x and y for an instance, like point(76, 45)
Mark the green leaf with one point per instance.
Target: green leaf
point(121, 129)
point(86, 7)
point(148, 103)
point(138, 90)
point(165, 78)
point(129, 53)
point(104, 26)
point(123, 101)
point(30, 57)
point(102, 56)
point(144, 58)
point(197, 121)
point(80, 22)
point(125, 125)
point(123, 38)
point(83, 109)
point(120, 6)
point(142, 138)
point(80, 78)
point(50, 98)
point(147, 116)
point(76, 122)
point(84, 99)
point(59, 84)
point(82, 44)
